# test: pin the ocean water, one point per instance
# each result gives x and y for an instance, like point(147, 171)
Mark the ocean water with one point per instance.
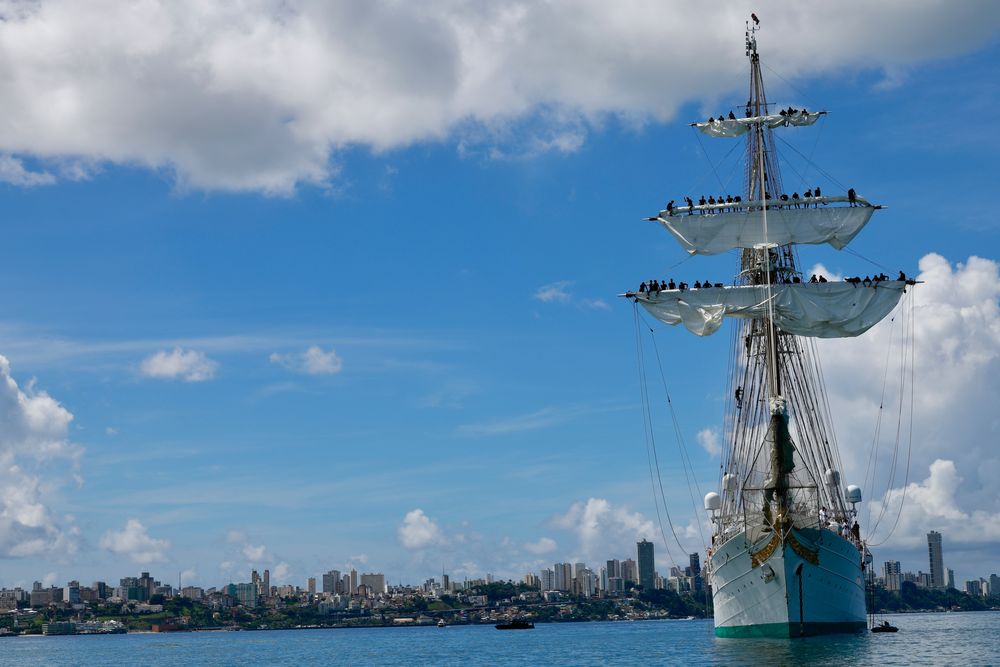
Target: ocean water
point(923, 639)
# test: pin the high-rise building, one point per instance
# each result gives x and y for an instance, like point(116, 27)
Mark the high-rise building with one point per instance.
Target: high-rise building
point(345, 585)
point(375, 582)
point(936, 560)
point(950, 579)
point(330, 580)
point(267, 583)
point(630, 572)
point(71, 593)
point(646, 567)
point(694, 562)
point(563, 577)
point(547, 579)
point(311, 583)
point(354, 581)
point(614, 569)
point(891, 575)
point(994, 585)
point(246, 594)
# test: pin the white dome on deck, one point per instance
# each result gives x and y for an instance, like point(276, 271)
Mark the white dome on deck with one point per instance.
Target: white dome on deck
point(712, 501)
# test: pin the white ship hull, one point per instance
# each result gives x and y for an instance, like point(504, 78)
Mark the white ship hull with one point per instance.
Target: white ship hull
point(811, 583)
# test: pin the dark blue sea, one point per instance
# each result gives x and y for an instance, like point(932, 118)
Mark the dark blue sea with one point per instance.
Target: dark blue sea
point(923, 639)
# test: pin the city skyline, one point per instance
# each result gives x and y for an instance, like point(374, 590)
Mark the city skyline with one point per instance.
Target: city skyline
point(295, 312)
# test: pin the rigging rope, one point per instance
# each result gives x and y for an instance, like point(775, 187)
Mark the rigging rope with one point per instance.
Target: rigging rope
point(685, 457)
point(909, 443)
point(651, 444)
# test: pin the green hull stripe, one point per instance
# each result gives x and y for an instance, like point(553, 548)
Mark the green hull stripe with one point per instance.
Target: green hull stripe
point(790, 629)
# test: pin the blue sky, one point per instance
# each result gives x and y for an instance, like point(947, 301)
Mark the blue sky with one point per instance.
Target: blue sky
point(457, 286)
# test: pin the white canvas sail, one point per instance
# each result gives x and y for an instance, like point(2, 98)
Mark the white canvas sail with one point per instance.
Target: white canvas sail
point(715, 233)
point(739, 126)
point(820, 310)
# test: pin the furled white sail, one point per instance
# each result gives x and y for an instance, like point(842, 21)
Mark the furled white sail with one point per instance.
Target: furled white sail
point(740, 126)
point(821, 310)
point(713, 233)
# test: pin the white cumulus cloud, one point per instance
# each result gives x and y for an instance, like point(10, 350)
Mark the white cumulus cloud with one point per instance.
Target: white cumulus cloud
point(544, 545)
point(602, 529)
point(34, 443)
point(12, 171)
point(187, 365)
point(418, 531)
point(956, 364)
point(708, 438)
point(135, 542)
point(557, 292)
point(262, 95)
point(314, 361)
point(254, 552)
point(280, 572)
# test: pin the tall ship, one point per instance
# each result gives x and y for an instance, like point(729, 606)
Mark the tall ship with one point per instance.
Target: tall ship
point(787, 558)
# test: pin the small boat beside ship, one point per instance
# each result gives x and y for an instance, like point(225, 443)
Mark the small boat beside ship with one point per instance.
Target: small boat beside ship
point(515, 625)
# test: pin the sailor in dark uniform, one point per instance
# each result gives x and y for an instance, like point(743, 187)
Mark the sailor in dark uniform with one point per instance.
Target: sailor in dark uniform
point(690, 205)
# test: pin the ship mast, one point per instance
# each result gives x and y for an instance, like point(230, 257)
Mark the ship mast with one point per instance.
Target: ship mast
point(761, 264)
point(776, 378)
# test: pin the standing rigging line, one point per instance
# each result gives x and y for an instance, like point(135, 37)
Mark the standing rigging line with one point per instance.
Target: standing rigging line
point(899, 418)
point(909, 443)
point(709, 158)
point(685, 457)
point(651, 445)
point(869, 480)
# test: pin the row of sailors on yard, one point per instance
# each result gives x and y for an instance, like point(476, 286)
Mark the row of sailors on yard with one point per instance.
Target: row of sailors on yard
point(732, 204)
point(657, 286)
point(784, 112)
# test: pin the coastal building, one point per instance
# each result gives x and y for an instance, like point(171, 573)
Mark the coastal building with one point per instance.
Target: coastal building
point(547, 580)
point(563, 577)
point(892, 575)
point(71, 593)
point(994, 585)
point(630, 573)
point(354, 582)
point(950, 579)
point(192, 592)
point(936, 559)
point(647, 573)
point(374, 582)
point(311, 585)
point(246, 594)
point(330, 581)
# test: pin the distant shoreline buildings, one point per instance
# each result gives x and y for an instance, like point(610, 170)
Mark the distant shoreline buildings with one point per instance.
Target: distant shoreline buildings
point(353, 591)
point(938, 576)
